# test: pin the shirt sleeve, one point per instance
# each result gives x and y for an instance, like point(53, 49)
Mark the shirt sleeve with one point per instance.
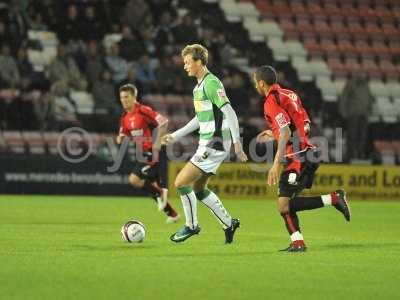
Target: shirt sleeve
point(152, 117)
point(215, 91)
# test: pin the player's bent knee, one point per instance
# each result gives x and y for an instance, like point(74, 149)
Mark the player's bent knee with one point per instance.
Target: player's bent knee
point(283, 207)
point(202, 194)
point(135, 181)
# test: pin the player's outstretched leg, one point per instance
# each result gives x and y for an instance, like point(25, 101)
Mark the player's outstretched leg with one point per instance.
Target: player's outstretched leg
point(336, 199)
point(229, 224)
point(191, 227)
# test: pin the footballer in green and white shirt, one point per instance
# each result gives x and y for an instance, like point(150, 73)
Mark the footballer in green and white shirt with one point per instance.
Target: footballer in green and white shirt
point(218, 127)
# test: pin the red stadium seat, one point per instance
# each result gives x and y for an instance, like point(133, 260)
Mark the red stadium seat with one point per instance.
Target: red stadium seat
point(297, 7)
point(389, 69)
point(289, 28)
point(14, 142)
point(352, 65)
point(338, 26)
point(338, 68)
point(381, 49)
point(313, 47)
point(346, 47)
point(372, 69)
point(347, 9)
point(331, 8)
point(51, 139)
point(35, 142)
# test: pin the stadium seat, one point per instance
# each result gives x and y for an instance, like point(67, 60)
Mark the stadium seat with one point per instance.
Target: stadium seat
point(51, 140)
point(386, 150)
point(14, 142)
point(390, 70)
point(378, 88)
point(394, 89)
point(372, 69)
point(83, 100)
point(175, 105)
point(328, 88)
point(35, 142)
point(303, 68)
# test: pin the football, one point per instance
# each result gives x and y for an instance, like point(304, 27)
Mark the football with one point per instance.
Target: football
point(133, 232)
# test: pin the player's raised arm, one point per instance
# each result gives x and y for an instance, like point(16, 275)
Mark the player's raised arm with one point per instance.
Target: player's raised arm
point(191, 126)
point(161, 130)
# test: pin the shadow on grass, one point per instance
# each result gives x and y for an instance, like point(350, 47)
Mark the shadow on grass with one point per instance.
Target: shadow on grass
point(360, 246)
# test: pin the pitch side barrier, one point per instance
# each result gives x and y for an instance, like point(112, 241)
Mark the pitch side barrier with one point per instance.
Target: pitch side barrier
point(52, 175)
point(248, 180)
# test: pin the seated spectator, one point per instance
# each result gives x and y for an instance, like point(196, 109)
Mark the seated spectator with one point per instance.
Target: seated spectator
point(116, 64)
point(146, 74)
point(64, 68)
point(104, 93)
point(166, 76)
point(148, 42)
point(94, 64)
point(131, 47)
point(186, 32)
point(36, 22)
point(9, 73)
point(70, 26)
point(25, 69)
point(92, 27)
point(137, 14)
point(164, 37)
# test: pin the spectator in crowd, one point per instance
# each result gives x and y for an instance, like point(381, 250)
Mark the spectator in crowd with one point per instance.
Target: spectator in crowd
point(94, 63)
point(116, 64)
point(164, 37)
point(9, 73)
point(166, 76)
point(237, 93)
point(146, 74)
point(25, 69)
point(92, 27)
point(186, 32)
point(355, 104)
point(148, 42)
point(131, 46)
point(17, 24)
point(69, 28)
point(64, 71)
point(137, 14)
point(36, 22)
point(104, 93)
point(4, 34)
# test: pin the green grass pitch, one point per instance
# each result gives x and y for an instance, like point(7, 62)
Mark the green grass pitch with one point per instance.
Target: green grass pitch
point(59, 247)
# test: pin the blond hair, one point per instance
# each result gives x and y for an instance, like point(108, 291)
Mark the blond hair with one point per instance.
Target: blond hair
point(197, 51)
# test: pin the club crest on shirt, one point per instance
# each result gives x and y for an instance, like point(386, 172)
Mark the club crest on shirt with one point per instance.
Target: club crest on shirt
point(281, 120)
point(221, 93)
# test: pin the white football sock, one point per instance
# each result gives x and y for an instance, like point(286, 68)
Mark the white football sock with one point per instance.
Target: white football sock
point(296, 236)
point(215, 205)
point(189, 203)
point(327, 199)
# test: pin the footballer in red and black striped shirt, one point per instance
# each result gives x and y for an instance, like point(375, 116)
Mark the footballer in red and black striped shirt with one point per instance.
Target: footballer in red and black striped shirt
point(137, 123)
point(286, 116)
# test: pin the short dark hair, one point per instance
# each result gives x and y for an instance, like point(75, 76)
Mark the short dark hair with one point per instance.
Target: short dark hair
point(131, 88)
point(267, 74)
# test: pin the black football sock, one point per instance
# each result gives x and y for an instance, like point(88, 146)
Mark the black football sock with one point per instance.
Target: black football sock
point(305, 203)
point(152, 188)
point(170, 211)
point(163, 168)
point(291, 222)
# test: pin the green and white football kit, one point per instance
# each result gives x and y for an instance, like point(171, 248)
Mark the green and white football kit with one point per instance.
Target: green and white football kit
point(218, 126)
